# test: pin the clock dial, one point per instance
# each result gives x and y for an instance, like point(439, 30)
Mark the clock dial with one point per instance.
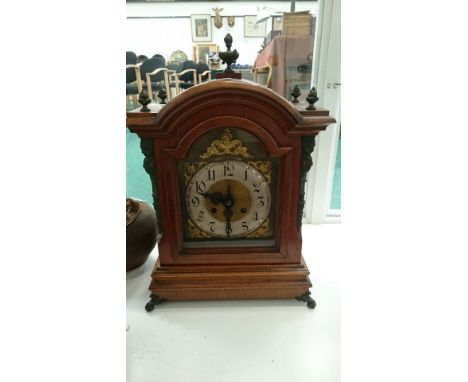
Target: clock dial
point(228, 199)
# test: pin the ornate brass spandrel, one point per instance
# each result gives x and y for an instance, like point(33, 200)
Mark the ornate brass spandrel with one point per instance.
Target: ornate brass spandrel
point(190, 169)
point(226, 146)
point(195, 232)
point(264, 167)
point(261, 232)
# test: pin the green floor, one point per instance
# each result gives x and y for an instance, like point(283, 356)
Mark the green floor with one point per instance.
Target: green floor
point(138, 181)
point(139, 184)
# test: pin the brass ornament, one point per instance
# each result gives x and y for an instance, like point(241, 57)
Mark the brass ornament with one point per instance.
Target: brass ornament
point(190, 169)
point(195, 232)
point(264, 167)
point(226, 146)
point(260, 232)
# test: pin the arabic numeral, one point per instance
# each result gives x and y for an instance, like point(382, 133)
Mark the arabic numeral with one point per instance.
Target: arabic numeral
point(245, 226)
point(256, 215)
point(257, 185)
point(260, 201)
point(212, 228)
point(201, 216)
point(200, 186)
point(229, 170)
point(195, 201)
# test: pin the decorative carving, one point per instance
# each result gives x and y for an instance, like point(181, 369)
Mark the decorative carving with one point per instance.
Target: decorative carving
point(228, 57)
point(262, 231)
point(264, 167)
point(162, 94)
point(296, 92)
point(144, 99)
point(226, 146)
point(308, 144)
point(312, 98)
point(155, 300)
point(149, 164)
point(132, 210)
point(195, 232)
point(307, 299)
point(190, 169)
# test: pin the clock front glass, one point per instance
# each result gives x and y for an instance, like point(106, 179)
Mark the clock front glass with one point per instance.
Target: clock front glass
point(228, 191)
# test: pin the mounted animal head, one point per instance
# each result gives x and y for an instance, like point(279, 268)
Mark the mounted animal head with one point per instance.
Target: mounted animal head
point(218, 22)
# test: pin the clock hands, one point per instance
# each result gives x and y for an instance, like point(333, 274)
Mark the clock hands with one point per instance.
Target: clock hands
point(228, 202)
point(215, 197)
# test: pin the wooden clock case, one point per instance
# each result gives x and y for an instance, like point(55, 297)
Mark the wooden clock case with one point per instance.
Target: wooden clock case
point(288, 133)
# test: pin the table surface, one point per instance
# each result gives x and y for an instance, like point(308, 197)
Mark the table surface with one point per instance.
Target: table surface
point(246, 340)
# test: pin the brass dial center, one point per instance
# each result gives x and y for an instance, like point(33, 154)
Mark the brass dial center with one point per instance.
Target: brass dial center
point(240, 194)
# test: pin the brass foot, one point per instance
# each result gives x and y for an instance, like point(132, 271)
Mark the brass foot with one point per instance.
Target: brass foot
point(307, 299)
point(155, 300)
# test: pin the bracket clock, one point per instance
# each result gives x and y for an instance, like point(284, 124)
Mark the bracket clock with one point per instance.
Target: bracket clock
point(228, 161)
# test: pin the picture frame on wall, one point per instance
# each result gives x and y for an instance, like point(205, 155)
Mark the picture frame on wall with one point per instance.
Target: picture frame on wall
point(201, 28)
point(277, 23)
point(201, 52)
point(252, 29)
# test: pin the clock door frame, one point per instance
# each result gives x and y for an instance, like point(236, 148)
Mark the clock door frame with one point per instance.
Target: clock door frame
point(171, 249)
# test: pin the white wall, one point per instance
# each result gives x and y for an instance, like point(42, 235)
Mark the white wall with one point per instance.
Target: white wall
point(149, 36)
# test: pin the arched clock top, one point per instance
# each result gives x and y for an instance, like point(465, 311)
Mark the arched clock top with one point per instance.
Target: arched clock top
point(230, 91)
point(217, 124)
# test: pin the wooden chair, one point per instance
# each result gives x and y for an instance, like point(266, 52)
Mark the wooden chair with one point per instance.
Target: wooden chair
point(155, 76)
point(186, 77)
point(134, 84)
point(204, 72)
point(160, 75)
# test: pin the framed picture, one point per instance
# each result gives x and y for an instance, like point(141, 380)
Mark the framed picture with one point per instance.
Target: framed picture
point(251, 29)
point(277, 24)
point(201, 27)
point(202, 51)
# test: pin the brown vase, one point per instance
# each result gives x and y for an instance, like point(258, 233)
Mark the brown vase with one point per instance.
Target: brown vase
point(141, 232)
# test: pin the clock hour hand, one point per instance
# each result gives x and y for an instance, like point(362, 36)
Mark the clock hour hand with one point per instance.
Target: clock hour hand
point(215, 197)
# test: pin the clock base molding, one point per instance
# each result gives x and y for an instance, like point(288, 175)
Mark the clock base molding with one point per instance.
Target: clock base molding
point(225, 282)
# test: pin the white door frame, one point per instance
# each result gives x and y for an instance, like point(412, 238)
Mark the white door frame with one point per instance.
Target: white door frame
point(327, 77)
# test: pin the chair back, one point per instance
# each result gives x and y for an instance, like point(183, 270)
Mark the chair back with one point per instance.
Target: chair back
point(202, 70)
point(150, 65)
point(141, 58)
point(130, 74)
point(161, 57)
point(131, 58)
point(189, 64)
point(174, 67)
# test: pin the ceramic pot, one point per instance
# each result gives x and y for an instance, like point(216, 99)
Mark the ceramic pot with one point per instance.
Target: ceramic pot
point(141, 232)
